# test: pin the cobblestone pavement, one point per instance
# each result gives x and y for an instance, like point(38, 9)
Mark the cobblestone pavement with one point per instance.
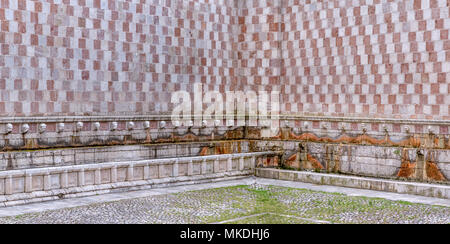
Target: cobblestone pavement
point(267, 204)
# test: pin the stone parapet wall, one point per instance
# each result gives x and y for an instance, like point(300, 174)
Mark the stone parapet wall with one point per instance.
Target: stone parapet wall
point(23, 159)
point(22, 186)
point(411, 188)
point(377, 59)
point(396, 133)
point(426, 165)
point(396, 149)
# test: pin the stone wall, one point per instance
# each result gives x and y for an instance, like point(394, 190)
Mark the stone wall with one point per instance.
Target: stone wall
point(44, 184)
point(364, 84)
point(111, 57)
point(57, 157)
point(57, 132)
point(370, 58)
point(391, 149)
point(259, 53)
point(410, 188)
point(377, 161)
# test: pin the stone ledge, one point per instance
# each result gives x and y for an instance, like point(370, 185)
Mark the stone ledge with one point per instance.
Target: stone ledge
point(413, 188)
point(75, 192)
point(124, 164)
point(52, 157)
point(52, 183)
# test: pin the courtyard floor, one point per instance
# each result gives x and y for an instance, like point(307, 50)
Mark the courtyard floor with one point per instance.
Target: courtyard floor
point(239, 203)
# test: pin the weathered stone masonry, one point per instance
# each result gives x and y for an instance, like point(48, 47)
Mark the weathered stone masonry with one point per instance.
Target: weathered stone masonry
point(364, 84)
point(328, 58)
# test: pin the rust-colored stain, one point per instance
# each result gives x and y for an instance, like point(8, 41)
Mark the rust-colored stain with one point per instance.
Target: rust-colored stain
point(407, 168)
point(148, 137)
point(333, 158)
point(234, 134)
point(313, 163)
point(431, 168)
point(253, 133)
point(221, 148)
point(270, 161)
point(292, 158)
point(164, 140)
point(433, 172)
point(292, 161)
point(414, 170)
point(266, 162)
point(187, 137)
point(204, 151)
point(30, 143)
point(412, 141)
point(224, 148)
point(310, 163)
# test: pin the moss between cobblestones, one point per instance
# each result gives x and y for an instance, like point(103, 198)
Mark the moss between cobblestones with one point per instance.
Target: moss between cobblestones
point(270, 219)
point(270, 204)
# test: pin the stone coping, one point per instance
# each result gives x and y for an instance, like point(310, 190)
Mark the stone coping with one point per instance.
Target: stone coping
point(118, 187)
point(108, 165)
point(43, 184)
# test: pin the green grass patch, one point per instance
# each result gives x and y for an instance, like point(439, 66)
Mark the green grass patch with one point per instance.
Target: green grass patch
point(270, 219)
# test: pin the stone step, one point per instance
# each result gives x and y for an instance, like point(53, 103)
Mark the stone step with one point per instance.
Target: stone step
point(412, 188)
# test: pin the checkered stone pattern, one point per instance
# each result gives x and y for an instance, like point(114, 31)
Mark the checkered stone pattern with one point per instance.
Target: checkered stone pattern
point(369, 58)
point(365, 58)
point(111, 57)
point(259, 45)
